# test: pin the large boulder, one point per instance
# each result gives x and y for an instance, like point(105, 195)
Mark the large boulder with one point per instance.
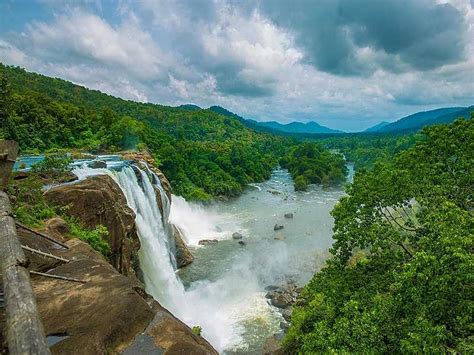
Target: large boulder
point(98, 200)
point(183, 255)
point(107, 313)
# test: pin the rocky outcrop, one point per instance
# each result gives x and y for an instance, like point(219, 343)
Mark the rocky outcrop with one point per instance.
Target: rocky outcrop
point(183, 255)
point(139, 157)
point(107, 312)
point(98, 200)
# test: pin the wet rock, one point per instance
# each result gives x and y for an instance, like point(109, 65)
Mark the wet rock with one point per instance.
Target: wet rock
point(208, 242)
point(237, 235)
point(183, 255)
point(97, 164)
point(271, 288)
point(284, 326)
point(286, 313)
point(273, 345)
point(277, 227)
point(281, 300)
point(288, 215)
point(242, 243)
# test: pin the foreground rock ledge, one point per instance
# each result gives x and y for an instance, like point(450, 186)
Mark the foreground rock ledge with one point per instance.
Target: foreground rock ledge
point(109, 313)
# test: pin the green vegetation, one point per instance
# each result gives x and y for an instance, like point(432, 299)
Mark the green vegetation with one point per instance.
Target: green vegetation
point(400, 280)
point(31, 208)
point(203, 154)
point(310, 163)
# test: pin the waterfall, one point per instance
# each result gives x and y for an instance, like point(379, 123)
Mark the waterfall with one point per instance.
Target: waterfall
point(156, 254)
point(205, 303)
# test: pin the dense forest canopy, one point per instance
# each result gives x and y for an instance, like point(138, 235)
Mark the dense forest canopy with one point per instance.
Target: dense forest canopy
point(400, 280)
point(203, 153)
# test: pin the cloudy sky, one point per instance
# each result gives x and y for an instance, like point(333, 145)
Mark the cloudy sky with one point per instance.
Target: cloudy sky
point(347, 64)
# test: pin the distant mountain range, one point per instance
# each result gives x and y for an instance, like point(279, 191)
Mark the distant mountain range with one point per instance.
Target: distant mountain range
point(419, 120)
point(409, 123)
point(377, 127)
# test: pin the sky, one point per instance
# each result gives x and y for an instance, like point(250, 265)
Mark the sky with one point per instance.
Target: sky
point(346, 64)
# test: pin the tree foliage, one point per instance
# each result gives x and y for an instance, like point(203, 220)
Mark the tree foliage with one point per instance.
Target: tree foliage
point(401, 275)
point(311, 163)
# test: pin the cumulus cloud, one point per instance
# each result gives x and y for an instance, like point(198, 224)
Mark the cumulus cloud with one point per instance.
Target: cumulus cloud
point(344, 63)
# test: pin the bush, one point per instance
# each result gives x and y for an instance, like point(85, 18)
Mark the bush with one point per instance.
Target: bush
point(96, 238)
point(53, 166)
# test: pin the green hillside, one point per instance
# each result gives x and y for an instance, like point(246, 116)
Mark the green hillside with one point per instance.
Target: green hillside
point(203, 153)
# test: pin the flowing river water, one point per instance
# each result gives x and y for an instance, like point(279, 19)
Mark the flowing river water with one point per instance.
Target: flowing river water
point(223, 290)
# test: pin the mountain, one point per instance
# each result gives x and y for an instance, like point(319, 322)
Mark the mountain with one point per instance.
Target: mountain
point(190, 107)
point(298, 127)
point(418, 120)
point(276, 127)
point(377, 127)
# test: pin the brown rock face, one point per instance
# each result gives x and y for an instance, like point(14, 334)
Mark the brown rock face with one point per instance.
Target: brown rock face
point(108, 313)
point(183, 255)
point(99, 200)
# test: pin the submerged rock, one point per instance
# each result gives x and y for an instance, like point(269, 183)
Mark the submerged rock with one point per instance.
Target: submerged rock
point(237, 235)
point(273, 345)
point(288, 215)
point(97, 164)
point(277, 227)
point(208, 242)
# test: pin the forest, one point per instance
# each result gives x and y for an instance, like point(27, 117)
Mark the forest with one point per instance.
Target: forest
point(398, 280)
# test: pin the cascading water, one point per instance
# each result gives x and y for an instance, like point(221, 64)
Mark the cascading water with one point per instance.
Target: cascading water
point(157, 260)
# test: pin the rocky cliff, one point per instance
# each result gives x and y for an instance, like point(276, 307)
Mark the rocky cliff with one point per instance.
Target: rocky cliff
point(98, 200)
point(102, 311)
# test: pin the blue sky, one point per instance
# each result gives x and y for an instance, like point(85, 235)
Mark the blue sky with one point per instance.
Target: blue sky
point(347, 64)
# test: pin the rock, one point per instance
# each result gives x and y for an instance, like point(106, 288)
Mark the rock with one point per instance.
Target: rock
point(281, 300)
point(98, 200)
point(57, 227)
point(208, 242)
point(20, 175)
point(273, 346)
point(271, 288)
point(286, 313)
point(288, 215)
point(183, 255)
point(242, 243)
point(277, 227)
point(97, 164)
point(237, 235)
point(284, 326)
point(109, 313)
point(139, 157)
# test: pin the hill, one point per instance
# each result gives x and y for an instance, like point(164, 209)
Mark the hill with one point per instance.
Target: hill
point(203, 153)
point(293, 128)
point(419, 120)
point(377, 127)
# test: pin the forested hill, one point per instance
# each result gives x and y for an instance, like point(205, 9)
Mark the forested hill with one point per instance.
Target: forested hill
point(203, 153)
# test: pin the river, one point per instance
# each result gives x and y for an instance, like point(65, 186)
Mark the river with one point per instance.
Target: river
point(223, 290)
point(226, 282)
